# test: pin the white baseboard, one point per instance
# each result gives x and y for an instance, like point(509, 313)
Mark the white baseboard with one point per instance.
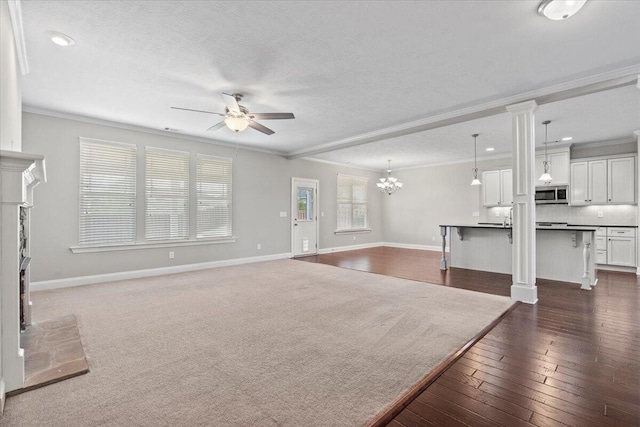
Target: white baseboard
point(617, 268)
point(125, 275)
point(349, 248)
point(414, 246)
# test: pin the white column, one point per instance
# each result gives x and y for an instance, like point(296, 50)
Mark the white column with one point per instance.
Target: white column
point(637, 133)
point(523, 286)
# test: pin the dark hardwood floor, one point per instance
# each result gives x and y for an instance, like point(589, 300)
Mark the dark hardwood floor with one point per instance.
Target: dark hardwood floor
point(572, 359)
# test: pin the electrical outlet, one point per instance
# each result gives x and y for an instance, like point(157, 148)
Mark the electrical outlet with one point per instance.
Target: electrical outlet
point(475, 213)
point(600, 214)
point(321, 213)
point(259, 246)
point(283, 214)
point(172, 255)
point(497, 214)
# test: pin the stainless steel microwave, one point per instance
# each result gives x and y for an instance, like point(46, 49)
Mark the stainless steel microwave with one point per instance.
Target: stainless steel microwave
point(558, 194)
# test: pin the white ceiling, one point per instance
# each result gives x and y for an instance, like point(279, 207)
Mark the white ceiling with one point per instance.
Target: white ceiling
point(343, 68)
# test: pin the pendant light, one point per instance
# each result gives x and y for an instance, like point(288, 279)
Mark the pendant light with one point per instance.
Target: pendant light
point(475, 181)
point(546, 177)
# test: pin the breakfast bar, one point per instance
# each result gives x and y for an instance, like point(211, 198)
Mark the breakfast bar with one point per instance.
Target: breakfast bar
point(564, 252)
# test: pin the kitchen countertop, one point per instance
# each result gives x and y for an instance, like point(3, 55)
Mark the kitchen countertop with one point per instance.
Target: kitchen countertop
point(604, 225)
point(499, 226)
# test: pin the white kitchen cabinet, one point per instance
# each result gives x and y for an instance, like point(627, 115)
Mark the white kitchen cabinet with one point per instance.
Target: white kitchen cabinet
point(558, 167)
point(497, 188)
point(603, 181)
point(588, 183)
point(621, 180)
point(506, 187)
point(618, 248)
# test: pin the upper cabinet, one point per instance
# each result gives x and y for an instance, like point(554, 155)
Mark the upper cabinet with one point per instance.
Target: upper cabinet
point(603, 181)
point(621, 180)
point(558, 159)
point(497, 188)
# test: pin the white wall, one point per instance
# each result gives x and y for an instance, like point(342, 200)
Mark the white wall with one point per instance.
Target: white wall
point(10, 90)
point(432, 196)
point(261, 190)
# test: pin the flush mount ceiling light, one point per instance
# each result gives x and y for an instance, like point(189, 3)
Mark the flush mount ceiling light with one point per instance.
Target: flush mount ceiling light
point(61, 39)
point(558, 10)
point(475, 181)
point(389, 184)
point(546, 176)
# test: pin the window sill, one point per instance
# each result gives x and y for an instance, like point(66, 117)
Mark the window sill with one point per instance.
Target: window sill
point(134, 246)
point(356, 231)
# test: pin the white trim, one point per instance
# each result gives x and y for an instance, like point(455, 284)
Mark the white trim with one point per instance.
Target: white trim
point(135, 274)
point(350, 248)
point(355, 231)
point(15, 12)
point(620, 268)
point(134, 246)
point(567, 90)
point(414, 246)
point(2, 395)
point(138, 128)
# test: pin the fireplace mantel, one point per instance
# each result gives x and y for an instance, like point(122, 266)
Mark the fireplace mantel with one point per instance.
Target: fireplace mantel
point(19, 174)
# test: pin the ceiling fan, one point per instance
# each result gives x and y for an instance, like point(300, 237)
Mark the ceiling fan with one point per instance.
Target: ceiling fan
point(237, 117)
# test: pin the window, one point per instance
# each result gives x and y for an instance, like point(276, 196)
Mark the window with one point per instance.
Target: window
point(166, 195)
point(107, 192)
point(352, 203)
point(213, 197)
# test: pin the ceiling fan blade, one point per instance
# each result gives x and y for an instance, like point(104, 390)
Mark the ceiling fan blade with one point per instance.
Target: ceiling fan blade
point(197, 111)
point(232, 103)
point(271, 116)
point(257, 126)
point(217, 126)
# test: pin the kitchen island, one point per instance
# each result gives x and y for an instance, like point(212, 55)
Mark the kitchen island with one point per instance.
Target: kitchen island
point(563, 252)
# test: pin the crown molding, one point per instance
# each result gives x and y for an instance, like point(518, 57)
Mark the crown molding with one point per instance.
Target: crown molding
point(578, 87)
point(137, 128)
point(15, 12)
point(594, 144)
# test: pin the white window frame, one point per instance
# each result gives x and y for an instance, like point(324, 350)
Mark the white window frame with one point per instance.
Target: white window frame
point(86, 169)
point(180, 216)
point(203, 198)
point(350, 200)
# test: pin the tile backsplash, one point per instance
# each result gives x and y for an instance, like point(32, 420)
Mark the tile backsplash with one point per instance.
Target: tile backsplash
point(581, 215)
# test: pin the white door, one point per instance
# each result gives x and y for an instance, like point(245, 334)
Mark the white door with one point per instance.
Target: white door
point(622, 179)
point(304, 216)
point(598, 182)
point(506, 187)
point(579, 183)
point(491, 188)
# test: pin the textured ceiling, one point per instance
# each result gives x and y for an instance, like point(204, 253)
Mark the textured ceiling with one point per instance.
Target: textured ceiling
point(343, 68)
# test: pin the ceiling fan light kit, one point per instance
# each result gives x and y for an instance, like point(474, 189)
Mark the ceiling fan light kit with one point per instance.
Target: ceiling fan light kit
point(237, 117)
point(390, 184)
point(558, 10)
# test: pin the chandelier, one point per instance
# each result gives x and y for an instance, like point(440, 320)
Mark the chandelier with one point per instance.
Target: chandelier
point(389, 184)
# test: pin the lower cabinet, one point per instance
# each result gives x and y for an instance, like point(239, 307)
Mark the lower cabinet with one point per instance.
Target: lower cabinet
point(616, 246)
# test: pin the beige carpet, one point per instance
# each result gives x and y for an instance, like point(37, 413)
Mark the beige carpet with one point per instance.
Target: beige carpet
point(282, 343)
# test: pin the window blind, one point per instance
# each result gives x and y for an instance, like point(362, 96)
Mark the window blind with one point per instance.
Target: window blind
point(166, 194)
point(352, 203)
point(107, 192)
point(213, 197)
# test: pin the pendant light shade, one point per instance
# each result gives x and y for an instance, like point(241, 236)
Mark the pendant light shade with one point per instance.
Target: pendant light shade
point(475, 181)
point(546, 176)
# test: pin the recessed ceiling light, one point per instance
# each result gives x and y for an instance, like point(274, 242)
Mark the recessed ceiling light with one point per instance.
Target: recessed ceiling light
point(557, 10)
point(61, 39)
point(489, 149)
point(567, 138)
